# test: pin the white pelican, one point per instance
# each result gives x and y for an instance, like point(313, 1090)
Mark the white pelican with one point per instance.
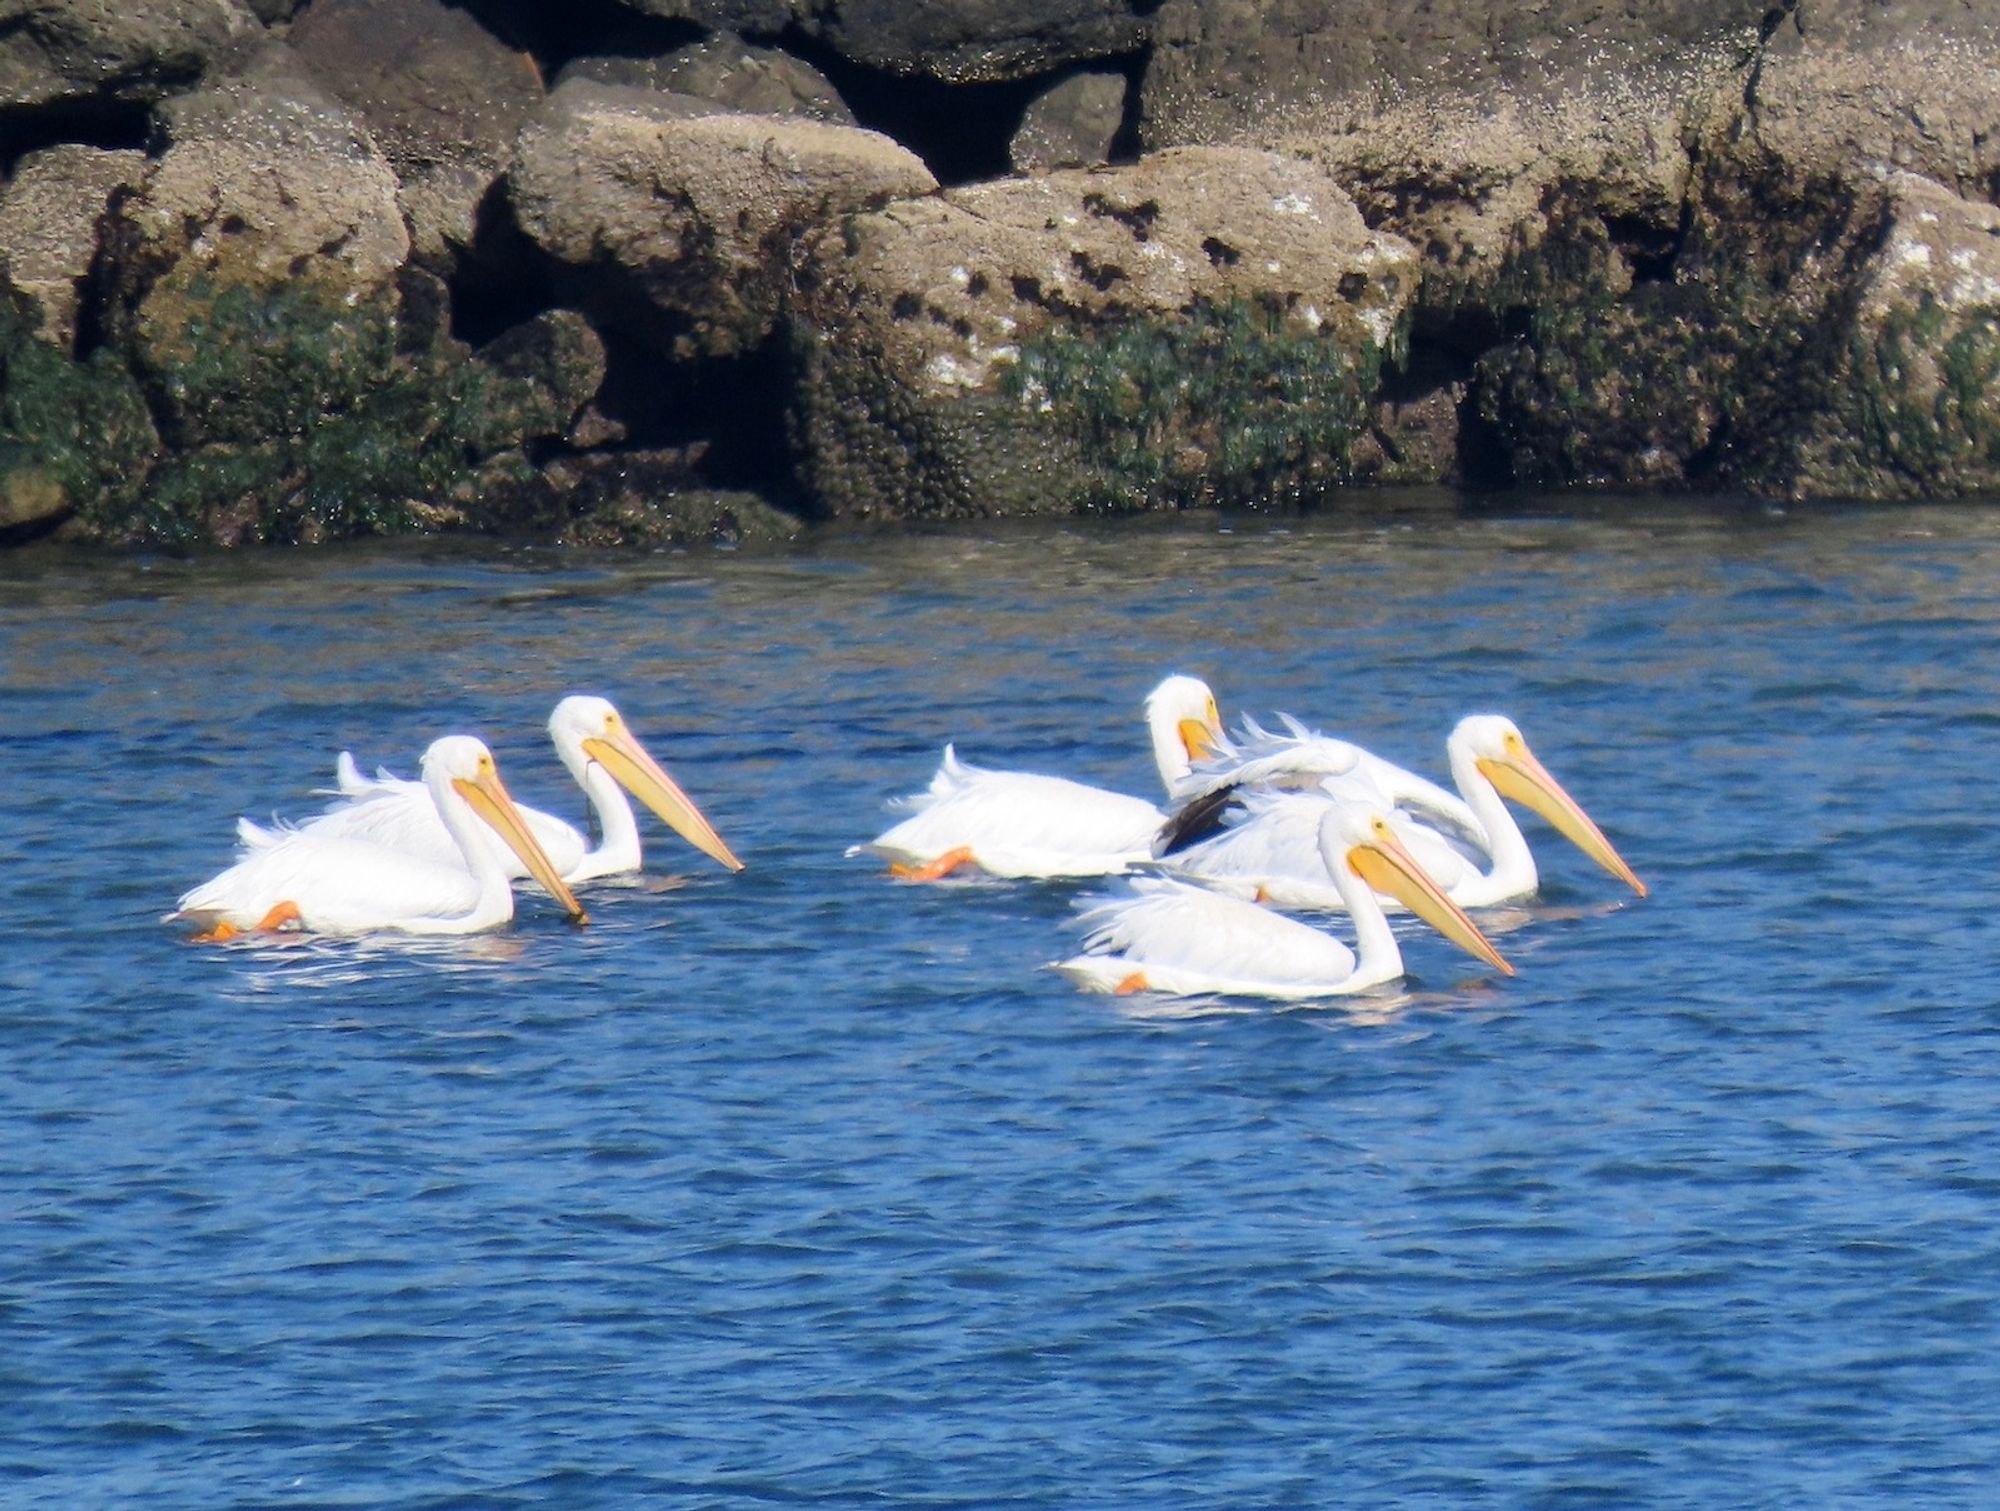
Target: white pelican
point(1304, 760)
point(1017, 823)
point(1271, 853)
point(1184, 940)
point(335, 884)
point(600, 752)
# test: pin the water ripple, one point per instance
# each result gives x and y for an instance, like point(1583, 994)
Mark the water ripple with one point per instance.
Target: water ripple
point(801, 1187)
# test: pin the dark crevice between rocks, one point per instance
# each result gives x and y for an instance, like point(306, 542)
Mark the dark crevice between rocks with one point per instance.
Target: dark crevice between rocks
point(1649, 249)
point(27, 532)
point(502, 279)
point(720, 411)
point(1127, 144)
point(961, 131)
point(1443, 354)
point(555, 34)
point(114, 125)
point(1767, 28)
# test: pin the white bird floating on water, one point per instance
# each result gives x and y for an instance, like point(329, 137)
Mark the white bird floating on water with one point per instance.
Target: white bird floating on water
point(339, 884)
point(600, 752)
point(1016, 823)
point(1271, 851)
point(1168, 936)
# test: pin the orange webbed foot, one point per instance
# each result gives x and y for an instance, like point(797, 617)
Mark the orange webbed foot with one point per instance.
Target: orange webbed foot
point(280, 915)
point(1136, 982)
point(931, 870)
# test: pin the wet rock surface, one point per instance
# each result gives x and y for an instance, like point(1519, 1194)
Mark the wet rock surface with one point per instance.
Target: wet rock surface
point(674, 271)
point(1205, 326)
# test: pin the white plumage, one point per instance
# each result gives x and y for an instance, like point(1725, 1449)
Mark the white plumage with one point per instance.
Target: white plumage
point(1013, 823)
point(1270, 850)
point(599, 751)
point(1168, 936)
point(339, 884)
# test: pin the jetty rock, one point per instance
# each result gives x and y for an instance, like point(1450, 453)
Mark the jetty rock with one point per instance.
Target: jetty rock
point(290, 270)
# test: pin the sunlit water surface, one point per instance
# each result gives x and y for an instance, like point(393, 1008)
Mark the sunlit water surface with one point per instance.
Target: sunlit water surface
point(804, 1187)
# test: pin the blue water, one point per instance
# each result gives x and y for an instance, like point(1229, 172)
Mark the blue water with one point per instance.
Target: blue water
point(802, 1187)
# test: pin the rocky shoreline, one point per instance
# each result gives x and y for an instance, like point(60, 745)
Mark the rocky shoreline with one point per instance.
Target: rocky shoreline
point(676, 271)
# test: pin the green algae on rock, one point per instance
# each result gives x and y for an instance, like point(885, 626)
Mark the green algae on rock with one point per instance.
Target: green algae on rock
point(1205, 326)
point(1227, 406)
point(71, 433)
point(395, 456)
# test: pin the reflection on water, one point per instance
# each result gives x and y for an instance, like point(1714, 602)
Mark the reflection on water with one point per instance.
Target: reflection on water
point(801, 1184)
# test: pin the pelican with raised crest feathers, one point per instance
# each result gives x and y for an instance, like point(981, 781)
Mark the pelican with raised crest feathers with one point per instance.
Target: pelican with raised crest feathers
point(1168, 936)
point(340, 884)
point(1270, 851)
point(1023, 824)
point(599, 751)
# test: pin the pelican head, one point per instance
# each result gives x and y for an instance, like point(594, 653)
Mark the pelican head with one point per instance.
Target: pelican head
point(1359, 837)
point(1186, 725)
point(1503, 758)
point(464, 767)
point(589, 732)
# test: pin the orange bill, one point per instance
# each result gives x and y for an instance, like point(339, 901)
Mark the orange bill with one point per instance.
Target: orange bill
point(488, 798)
point(1390, 869)
point(619, 752)
point(1518, 775)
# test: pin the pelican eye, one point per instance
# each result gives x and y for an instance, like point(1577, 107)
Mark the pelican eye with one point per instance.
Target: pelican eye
point(1381, 828)
point(1514, 743)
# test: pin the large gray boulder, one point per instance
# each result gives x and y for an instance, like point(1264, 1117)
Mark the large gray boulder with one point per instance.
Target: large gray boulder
point(726, 71)
point(49, 212)
point(680, 217)
point(1652, 238)
point(271, 206)
point(440, 96)
point(1853, 90)
point(257, 285)
point(56, 52)
point(1207, 325)
point(1072, 124)
point(961, 41)
point(1914, 405)
point(1229, 68)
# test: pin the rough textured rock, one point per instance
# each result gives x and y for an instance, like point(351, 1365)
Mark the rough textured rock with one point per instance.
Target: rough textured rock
point(1840, 92)
point(271, 217)
point(746, 17)
point(726, 71)
point(1243, 69)
point(557, 363)
point(300, 371)
point(1072, 124)
point(962, 41)
point(1735, 245)
point(1915, 407)
point(70, 432)
point(653, 497)
point(1204, 326)
point(681, 215)
point(1412, 440)
point(640, 498)
point(439, 95)
point(49, 213)
point(970, 40)
point(1651, 241)
point(69, 51)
